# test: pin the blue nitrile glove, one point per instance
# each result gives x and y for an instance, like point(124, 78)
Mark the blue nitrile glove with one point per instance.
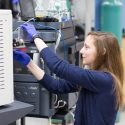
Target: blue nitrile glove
point(30, 29)
point(21, 57)
point(15, 1)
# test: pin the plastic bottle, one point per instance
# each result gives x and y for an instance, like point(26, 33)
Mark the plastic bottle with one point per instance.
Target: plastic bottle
point(65, 13)
point(111, 17)
point(51, 8)
point(58, 9)
point(58, 6)
point(39, 9)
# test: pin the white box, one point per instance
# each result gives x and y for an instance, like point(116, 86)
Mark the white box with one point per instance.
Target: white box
point(6, 58)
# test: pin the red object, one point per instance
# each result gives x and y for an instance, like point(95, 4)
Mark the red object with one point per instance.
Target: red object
point(23, 49)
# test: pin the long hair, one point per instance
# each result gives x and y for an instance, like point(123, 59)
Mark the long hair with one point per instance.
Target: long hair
point(109, 59)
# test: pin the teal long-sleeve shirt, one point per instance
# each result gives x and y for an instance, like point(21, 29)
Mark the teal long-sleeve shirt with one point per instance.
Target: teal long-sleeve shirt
point(96, 104)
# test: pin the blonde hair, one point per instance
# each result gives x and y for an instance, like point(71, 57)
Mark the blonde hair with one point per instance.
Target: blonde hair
point(111, 61)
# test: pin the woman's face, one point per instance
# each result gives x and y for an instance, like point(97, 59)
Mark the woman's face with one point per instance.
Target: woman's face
point(88, 52)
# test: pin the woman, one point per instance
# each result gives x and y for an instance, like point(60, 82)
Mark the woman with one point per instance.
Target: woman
point(100, 86)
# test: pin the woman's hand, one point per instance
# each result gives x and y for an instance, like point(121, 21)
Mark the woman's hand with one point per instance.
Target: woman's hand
point(21, 57)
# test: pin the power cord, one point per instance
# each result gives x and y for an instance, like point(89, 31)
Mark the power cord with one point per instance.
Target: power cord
point(60, 104)
point(56, 98)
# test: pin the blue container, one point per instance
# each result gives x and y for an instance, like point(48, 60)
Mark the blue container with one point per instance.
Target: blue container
point(111, 17)
point(98, 14)
point(123, 15)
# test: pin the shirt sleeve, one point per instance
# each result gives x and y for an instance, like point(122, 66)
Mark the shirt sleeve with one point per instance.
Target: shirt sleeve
point(60, 86)
point(90, 79)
